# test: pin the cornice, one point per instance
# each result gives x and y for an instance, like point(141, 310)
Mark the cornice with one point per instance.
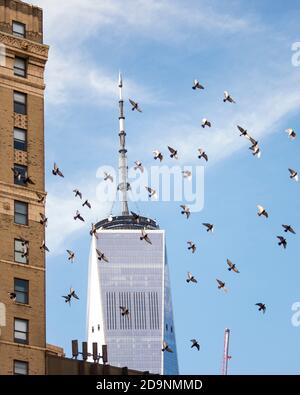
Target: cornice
point(39, 50)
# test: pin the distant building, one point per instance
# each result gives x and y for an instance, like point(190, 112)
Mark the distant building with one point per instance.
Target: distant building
point(22, 265)
point(136, 277)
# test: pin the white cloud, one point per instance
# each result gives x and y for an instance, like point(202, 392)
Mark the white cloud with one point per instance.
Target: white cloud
point(260, 112)
point(74, 78)
point(71, 73)
point(158, 19)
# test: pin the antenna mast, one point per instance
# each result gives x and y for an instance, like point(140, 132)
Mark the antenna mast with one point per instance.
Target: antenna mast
point(123, 186)
point(226, 356)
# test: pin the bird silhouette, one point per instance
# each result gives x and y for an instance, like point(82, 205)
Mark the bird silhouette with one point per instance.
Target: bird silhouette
point(197, 85)
point(228, 98)
point(192, 246)
point(191, 278)
point(282, 241)
point(202, 154)
point(135, 106)
point(195, 344)
point(56, 171)
point(144, 236)
point(185, 211)
point(232, 266)
point(262, 307)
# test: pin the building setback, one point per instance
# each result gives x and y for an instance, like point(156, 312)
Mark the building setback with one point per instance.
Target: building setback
point(22, 263)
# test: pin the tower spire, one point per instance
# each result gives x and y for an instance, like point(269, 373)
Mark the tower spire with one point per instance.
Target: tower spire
point(123, 186)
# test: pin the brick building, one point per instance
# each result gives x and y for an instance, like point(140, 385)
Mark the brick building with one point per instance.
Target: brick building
point(22, 262)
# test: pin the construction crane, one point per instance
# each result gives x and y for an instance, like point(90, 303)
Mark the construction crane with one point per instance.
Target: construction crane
point(226, 356)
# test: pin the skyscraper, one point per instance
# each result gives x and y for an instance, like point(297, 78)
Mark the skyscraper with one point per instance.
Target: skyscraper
point(129, 299)
point(22, 263)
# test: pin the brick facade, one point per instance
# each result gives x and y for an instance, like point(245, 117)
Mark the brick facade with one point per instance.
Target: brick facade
point(32, 49)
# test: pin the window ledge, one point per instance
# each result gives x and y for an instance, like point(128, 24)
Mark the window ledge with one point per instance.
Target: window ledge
point(23, 304)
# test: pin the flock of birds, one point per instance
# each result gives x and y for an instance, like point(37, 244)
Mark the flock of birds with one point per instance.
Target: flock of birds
point(185, 210)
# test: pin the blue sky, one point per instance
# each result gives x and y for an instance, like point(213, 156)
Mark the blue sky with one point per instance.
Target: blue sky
point(161, 46)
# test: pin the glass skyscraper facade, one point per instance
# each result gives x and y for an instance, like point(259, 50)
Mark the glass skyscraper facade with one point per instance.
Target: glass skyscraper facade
point(136, 276)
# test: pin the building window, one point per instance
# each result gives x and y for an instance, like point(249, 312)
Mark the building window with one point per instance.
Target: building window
point(21, 331)
point(20, 103)
point(19, 29)
point(20, 368)
point(20, 67)
point(20, 139)
point(21, 290)
point(20, 174)
point(21, 251)
point(21, 213)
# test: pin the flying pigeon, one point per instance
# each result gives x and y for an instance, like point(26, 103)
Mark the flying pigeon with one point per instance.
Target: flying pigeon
point(101, 256)
point(107, 176)
point(205, 122)
point(77, 193)
point(158, 155)
point(136, 217)
point(70, 295)
point(288, 228)
point(12, 296)
point(262, 211)
point(282, 241)
point(185, 210)
point(253, 141)
point(139, 166)
point(256, 150)
point(294, 175)
point(25, 251)
point(197, 85)
point(187, 174)
point(41, 198)
point(262, 307)
point(210, 227)
point(228, 98)
point(44, 247)
point(221, 285)
point(124, 311)
point(232, 266)
point(93, 231)
point(28, 180)
point(192, 246)
point(152, 192)
point(191, 278)
point(87, 203)
point(71, 256)
point(78, 216)
point(173, 153)
point(24, 242)
point(202, 154)
point(145, 237)
point(195, 344)
point(243, 132)
point(166, 347)
point(291, 133)
point(17, 174)
point(43, 220)
point(135, 106)
point(56, 171)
